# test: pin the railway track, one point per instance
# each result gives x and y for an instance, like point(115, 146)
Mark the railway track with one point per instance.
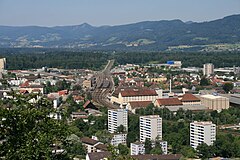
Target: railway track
point(104, 86)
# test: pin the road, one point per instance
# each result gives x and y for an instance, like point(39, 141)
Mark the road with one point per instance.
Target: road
point(104, 85)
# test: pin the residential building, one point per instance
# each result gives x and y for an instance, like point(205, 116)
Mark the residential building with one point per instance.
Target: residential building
point(134, 105)
point(92, 145)
point(2, 63)
point(190, 99)
point(126, 96)
point(87, 83)
point(163, 102)
point(150, 127)
point(208, 69)
point(98, 155)
point(108, 155)
point(138, 148)
point(202, 132)
point(117, 117)
point(215, 102)
point(119, 138)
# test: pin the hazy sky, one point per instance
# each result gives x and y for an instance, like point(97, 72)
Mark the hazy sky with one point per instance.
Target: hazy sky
point(111, 12)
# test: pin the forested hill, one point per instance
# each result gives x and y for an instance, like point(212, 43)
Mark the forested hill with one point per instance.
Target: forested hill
point(149, 35)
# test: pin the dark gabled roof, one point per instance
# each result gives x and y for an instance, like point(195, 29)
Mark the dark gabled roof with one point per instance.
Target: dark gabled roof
point(158, 157)
point(101, 147)
point(98, 155)
point(88, 140)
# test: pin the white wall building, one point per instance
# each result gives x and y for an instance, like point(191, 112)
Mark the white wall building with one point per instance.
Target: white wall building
point(119, 138)
point(208, 69)
point(202, 132)
point(150, 127)
point(126, 96)
point(215, 102)
point(117, 117)
point(137, 148)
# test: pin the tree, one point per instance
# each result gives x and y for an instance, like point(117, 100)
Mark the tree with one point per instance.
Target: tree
point(74, 145)
point(204, 81)
point(188, 152)
point(158, 147)
point(123, 149)
point(28, 132)
point(227, 87)
point(204, 151)
point(120, 129)
point(148, 146)
point(104, 136)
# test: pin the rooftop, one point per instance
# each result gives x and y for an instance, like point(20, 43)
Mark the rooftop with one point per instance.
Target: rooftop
point(203, 123)
point(169, 101)
point(189, 98)
point(210, 96)
point(138, 92)
point(139, 104)
point(150, 116)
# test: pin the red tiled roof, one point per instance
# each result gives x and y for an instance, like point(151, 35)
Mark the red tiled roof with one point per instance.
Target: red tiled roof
point(189, 98)
point(23, 91)
point(86, 104)
point(169, 102)
point(141, 92)
point(63, 92)
point(140, 104)
point(76, 98)
point(25, 84)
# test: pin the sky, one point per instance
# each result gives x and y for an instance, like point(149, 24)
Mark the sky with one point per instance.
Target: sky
point(111, 12)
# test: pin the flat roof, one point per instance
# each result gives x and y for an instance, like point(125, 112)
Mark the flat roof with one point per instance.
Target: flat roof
point(150, 116)
point(204, 123)
point(210, 96)
point(187, 107)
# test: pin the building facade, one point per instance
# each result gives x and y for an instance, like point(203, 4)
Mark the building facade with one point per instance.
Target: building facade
point(117, 117)
point(208, 69)
point(202, 132)
point(2, 63)
point(138, 148)
point(215, 102)
point(126, 96)
point(150, 127)
point(119, 138)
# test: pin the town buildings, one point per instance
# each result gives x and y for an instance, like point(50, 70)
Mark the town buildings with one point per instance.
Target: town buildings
point(118, 138)
point(138, 148)
point(202, 132)
point(215, 102)
point(126, 96)
point(150, 127)
point(2, 64)
point(208, 69)
point(117, 117)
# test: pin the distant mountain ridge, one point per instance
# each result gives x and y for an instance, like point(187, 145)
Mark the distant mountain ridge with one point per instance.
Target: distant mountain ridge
point(147, 35)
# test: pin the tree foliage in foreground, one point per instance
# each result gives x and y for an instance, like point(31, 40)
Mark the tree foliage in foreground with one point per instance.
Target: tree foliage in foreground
point(28, 132)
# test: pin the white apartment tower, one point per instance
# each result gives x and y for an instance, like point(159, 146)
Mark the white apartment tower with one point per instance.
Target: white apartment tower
point(208, 69)
point(202, 132)
point(2, 63)
point(150, 127)
point(117, 117)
